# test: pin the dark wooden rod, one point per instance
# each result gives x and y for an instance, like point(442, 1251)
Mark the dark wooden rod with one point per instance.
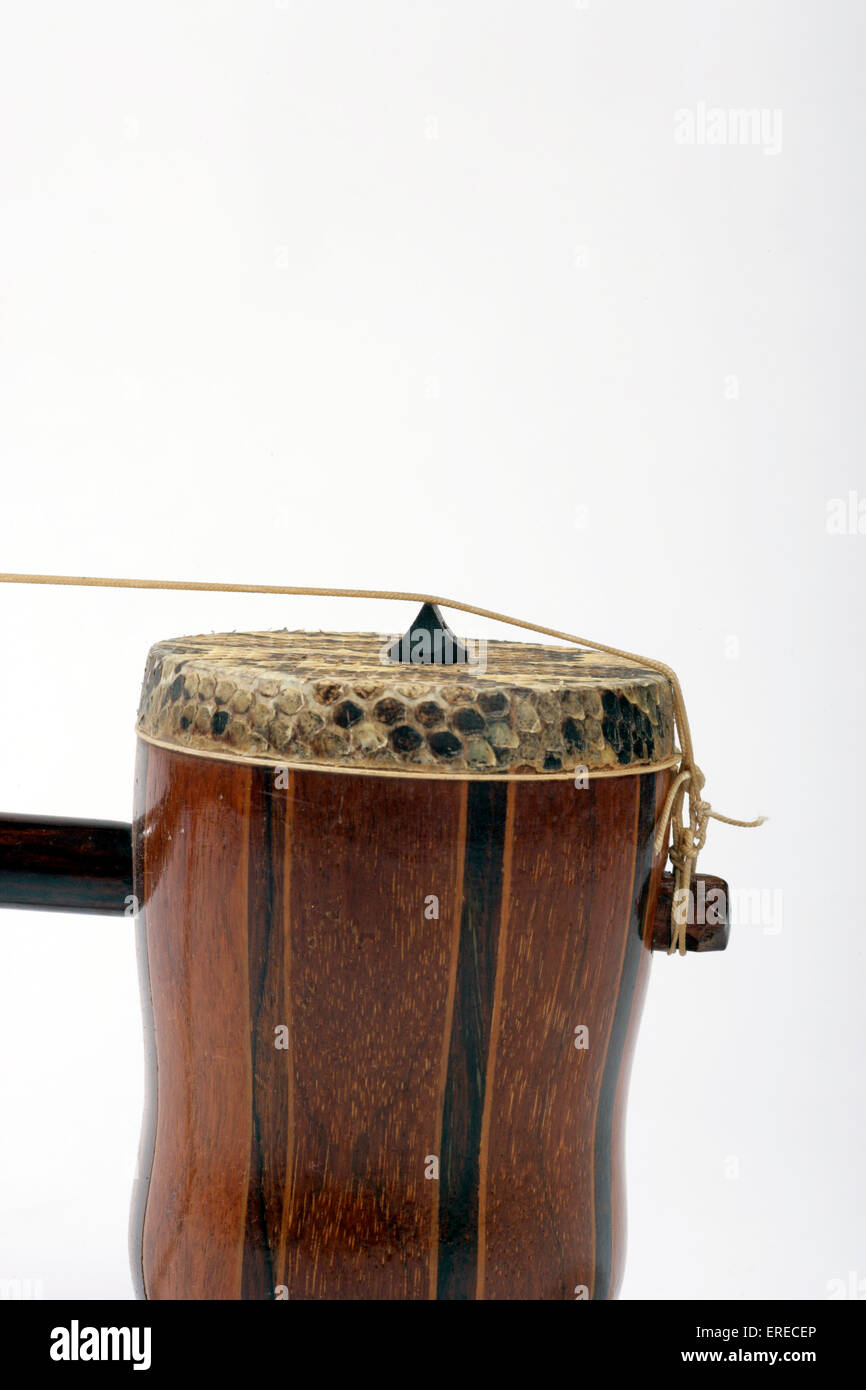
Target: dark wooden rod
point(66, 865)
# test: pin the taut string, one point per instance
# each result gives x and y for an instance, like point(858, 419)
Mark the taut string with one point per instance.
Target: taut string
point(687, 835)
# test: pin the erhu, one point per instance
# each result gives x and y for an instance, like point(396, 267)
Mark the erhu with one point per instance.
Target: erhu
point(395, 904)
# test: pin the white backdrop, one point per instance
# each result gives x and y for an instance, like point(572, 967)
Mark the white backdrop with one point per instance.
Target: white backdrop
point(500, 300)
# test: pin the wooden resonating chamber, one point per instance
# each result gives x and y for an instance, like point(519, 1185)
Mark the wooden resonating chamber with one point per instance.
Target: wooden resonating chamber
point(389, 1011)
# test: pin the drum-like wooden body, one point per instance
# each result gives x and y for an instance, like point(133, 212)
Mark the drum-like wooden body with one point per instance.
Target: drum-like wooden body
point(430, 949)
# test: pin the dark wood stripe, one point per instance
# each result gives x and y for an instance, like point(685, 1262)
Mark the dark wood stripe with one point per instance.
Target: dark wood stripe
point(635, 954)
point(269, 809)
point(459, 1169)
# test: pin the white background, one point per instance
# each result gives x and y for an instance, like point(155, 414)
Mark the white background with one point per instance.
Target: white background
point(430, 296)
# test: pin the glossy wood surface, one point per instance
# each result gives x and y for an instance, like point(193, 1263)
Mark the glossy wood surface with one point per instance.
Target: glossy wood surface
point(433, 948)
point(64, 865)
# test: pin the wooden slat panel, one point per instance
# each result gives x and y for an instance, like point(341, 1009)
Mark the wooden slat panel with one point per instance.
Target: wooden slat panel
point(571, 874)
point(370, 985)
point(196, 887)
point(610, 1194)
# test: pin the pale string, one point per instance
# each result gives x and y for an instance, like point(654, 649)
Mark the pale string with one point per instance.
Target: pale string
point(687, 837)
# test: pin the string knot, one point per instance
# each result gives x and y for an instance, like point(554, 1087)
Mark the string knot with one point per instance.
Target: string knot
point(688, 837)
point(687, 841)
